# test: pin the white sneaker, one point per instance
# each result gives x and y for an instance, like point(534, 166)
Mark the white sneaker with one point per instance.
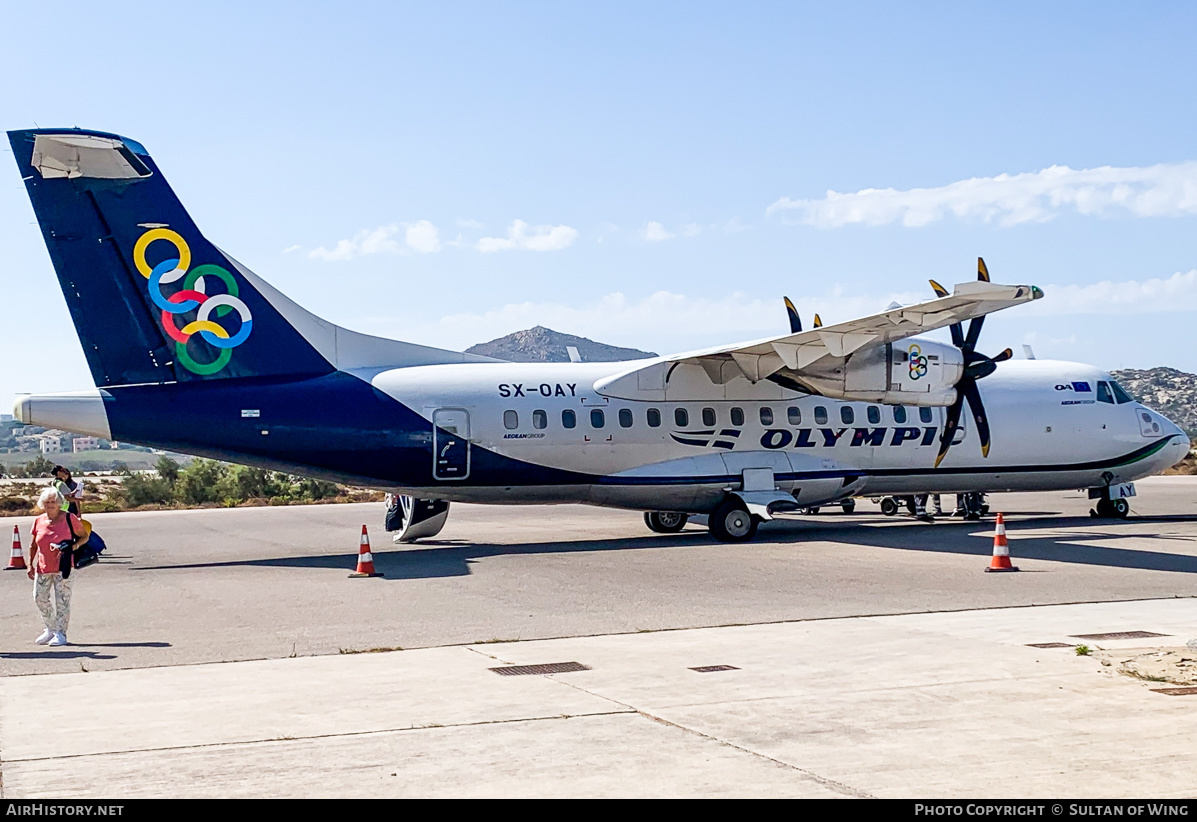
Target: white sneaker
point(46, 636)
point(59, 638)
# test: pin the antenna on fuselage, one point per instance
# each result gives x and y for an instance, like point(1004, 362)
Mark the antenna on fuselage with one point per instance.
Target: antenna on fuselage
point(1030, 355)
point(574, 356)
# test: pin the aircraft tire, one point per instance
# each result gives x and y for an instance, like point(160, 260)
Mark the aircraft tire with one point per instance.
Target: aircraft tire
point(848, 505)
point(731, 522)
point(665, 522)
point(889, 506)
point(1105, 508)
point(1120, 508)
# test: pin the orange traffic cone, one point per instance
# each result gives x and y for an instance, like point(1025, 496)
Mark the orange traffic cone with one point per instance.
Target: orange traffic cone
point(365, 559)
point(1001, 552)
point(16, 561)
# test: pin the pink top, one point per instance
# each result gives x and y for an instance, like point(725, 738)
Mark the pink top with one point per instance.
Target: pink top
point(44, 533)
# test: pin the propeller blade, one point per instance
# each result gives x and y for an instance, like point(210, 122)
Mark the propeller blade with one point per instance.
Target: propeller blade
point(939, 290)
point(1005, 355)
point(982, 271)
point(974, 332)
point(818, 322)
point(974, 402)
point(795, 320)
point(951, 423)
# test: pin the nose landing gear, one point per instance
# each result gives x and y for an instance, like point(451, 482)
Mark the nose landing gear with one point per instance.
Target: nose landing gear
point(1111, 509)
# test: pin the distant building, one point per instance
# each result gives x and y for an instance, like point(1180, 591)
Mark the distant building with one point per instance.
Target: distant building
point(49, 444)
point(5, 417)
point(86, 444)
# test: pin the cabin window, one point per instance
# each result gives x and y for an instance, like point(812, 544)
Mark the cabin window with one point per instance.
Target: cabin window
point(847, 415)
point(900, 414)
point(737, 416)
point(820, 415)
point(794, 415)
point(1104, 394)
point(1121, 395)
point(569, 419)
point(597, 420)
point(925, 414)
point(654, 418)
point(681, 417)
point(511, 420)
point(625, 418)
point(540, 419)
point(708, 416)
point(766, 415)
point(874, 414)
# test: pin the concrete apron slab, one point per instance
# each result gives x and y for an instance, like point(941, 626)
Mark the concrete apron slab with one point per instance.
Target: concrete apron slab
point(928, 705)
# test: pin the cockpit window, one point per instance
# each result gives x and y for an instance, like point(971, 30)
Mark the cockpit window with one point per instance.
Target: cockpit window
point(1104, 394)
point(1120, 394)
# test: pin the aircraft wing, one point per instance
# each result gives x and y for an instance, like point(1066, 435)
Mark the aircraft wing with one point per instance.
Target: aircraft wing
point(820, 350)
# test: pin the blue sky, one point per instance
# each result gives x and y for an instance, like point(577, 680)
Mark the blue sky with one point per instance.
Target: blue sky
point(653, 175)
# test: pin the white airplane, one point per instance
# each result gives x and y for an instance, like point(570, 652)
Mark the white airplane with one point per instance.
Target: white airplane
point(192, 352)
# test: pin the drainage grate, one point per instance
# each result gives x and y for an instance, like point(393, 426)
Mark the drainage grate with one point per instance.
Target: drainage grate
point(709, 669)
point(1120, 635)
point(550, 668)
point(1189, 691)
point(1049, 645)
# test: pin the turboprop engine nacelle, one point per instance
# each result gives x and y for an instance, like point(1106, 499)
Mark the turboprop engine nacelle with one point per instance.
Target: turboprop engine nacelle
point(912, 372)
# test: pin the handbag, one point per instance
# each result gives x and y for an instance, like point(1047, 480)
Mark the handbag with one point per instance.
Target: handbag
point(86, 554)
point(66, 560)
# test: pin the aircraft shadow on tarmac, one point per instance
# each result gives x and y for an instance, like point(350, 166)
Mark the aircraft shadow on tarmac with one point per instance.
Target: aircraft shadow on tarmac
point(453, 558)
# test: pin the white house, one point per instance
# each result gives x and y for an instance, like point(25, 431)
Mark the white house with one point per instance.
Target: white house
point(86, 444)
point(49, 444)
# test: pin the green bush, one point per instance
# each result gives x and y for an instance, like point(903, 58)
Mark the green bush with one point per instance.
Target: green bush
point(198, 483)
point(315, 489)
point(146, 489)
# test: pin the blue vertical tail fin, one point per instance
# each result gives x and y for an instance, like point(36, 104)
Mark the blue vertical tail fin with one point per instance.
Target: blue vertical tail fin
point(152, 299)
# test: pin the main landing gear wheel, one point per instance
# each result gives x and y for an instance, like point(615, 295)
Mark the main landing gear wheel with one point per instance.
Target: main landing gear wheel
point(889, 506)
point(849, 505)
point(731, 522)
point(665, 522)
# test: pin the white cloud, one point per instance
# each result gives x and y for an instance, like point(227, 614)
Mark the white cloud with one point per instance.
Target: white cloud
point(421, 236)
point(291, 248)
point(539, 238)
point(1152, 296)
point(1154, 191)
point(654, 232)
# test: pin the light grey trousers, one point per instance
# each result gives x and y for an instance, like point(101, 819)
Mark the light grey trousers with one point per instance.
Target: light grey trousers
point(56, 618)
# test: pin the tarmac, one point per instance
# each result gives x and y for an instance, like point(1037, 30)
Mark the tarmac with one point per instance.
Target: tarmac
point(227, 653)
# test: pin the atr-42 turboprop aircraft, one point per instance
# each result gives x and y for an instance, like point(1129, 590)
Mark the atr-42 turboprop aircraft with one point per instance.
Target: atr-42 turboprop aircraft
point(192, 352)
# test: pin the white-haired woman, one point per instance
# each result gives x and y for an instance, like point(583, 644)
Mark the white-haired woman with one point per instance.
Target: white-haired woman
point(50, 530)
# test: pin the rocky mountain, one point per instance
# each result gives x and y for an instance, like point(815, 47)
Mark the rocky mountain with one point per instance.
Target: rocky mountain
point(542, 344)
point(1171, 392)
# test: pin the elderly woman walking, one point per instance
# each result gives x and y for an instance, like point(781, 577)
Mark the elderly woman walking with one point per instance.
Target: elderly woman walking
point(47, 562)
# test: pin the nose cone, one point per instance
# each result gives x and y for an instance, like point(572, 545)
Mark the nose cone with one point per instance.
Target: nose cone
point(1178, 447)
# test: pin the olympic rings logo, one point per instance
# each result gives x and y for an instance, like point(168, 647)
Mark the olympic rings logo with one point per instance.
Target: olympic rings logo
point(193, 295)
point(918, 363)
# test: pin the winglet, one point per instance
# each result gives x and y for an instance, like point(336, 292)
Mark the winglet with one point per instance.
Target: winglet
point(795, 320)
point(982, 271)
point(939, 290)
point(818, 321)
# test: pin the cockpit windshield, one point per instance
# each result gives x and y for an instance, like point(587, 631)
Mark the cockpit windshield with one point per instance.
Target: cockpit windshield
point(1120, 394)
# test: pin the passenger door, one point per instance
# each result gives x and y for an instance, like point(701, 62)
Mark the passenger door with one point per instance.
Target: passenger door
point(450, 444)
